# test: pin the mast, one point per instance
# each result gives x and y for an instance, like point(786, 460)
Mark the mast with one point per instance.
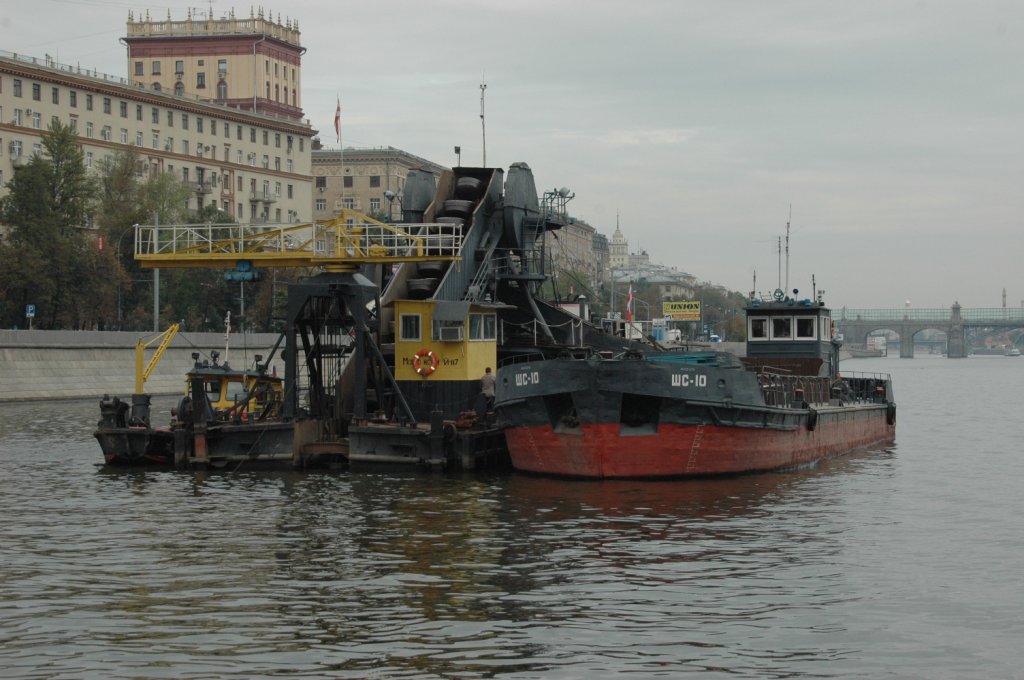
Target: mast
point(787, 247)
point(483, 123)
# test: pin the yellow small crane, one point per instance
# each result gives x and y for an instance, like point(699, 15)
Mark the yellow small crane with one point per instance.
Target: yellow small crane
point(141, 374)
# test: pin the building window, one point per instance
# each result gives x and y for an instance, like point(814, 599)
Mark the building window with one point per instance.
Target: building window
point(184, 121)
point(105, 133)
point(184, 147)
point(374, 181)
point(222, 90)
point(302, 144)
point(266, 162)
point(238, 132)
point(179, 89)
point(124, 136)
point(138, 112)
point(88, 129)
point(374, 204)
point(156, 139)
point(179, 67)
point(73, 99)
point(106, 105)
point(290, 191)
point(782, 327)
point(55, 95)
point(290, 165)
point(277, 139)
point(201, 80)
point(321, 182)
point(348, 203)
point(156, 68)
point(88, 159)
point(74, 124)
point(227, 130)
point(222, 67)
point(347, 181)
point(155, 116)
point(37, 120)
point(199, 123)
point(17, 87)
point(409, 327)
point(17, 116)
point(184, 174)
point(252, 136)
point(138, 138)
point(124, 109)
point(138, 68)
point(277, 163)
point(156, 87)
point(37, 92)
point(170, 119)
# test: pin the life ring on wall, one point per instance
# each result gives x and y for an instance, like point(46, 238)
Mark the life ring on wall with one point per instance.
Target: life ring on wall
point(425, 362)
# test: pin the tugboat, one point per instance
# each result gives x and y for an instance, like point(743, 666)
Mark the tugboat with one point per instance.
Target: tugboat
point(646, 415)
point(226, 415)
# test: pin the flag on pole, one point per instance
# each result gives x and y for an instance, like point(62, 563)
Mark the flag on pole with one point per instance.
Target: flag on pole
point(629, 304)
point(337, 120)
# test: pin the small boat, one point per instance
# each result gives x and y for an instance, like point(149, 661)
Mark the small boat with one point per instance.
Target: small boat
point(783, 405)
point(226, 415)
point(1013, 352)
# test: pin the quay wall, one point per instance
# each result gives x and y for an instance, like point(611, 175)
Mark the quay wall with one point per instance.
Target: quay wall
point(84, 364)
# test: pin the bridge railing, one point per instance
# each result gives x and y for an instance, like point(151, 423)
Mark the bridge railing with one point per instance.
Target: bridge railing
point(977, 314)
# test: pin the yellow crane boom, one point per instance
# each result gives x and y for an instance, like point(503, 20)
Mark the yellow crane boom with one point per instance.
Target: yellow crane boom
point(342, 244)
point(141, 374)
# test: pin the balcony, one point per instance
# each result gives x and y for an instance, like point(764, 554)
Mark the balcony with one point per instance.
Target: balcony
point(204, 187)
point(265, 196)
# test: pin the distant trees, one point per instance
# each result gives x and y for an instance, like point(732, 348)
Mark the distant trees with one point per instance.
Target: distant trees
point(69, 247)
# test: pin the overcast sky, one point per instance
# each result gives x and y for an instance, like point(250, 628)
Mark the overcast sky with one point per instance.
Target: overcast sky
point(894, 129)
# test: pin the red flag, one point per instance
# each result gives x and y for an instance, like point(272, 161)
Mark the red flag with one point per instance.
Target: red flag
point(337, 121)
point(629, 304)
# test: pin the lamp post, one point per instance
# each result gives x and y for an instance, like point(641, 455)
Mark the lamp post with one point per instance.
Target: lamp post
point(117, 251)
point(458, 156)
point(391, 196)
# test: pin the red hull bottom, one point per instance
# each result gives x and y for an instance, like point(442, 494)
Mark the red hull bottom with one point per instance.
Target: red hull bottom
point(692, 450)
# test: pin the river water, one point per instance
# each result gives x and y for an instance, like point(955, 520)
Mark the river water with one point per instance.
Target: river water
point(904, 563)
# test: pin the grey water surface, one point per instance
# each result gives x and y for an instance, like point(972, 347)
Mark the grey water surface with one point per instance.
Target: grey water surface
point(903, 563)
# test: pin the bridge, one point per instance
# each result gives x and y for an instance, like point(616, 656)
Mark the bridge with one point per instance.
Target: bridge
point(856, 324)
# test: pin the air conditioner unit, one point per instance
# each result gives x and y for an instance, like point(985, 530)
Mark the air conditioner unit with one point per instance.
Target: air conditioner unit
point(167, 147)
point(321, 189)
point(451, 333)
point(28, 112)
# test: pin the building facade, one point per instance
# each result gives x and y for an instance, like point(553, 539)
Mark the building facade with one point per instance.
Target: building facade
point(254, 167)
point(252, 64)
point(618, 249)
point(363, 180)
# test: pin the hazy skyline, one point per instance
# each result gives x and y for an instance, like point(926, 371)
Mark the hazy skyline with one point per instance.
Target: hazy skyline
point(893, 129)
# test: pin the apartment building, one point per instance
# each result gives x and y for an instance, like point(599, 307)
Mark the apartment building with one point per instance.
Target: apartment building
point(252, 64)
point(363, 180)
point(253, 166)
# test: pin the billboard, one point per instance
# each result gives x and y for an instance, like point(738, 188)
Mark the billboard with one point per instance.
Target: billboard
point(686, 310)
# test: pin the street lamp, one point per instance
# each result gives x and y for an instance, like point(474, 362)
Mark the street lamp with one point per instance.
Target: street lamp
point(458, 156)
point(117, 251)
point(391, 196)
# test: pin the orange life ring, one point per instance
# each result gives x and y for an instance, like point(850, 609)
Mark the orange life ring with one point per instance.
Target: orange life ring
point(425, 362)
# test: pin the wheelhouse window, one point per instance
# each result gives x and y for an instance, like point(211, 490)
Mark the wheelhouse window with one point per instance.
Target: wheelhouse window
point(782, 328)
point(758, 328)
point(805, 326)
point(483, 327)
point(409, 327)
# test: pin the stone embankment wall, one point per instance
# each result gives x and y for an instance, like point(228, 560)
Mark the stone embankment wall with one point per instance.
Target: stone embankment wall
point(80, 364)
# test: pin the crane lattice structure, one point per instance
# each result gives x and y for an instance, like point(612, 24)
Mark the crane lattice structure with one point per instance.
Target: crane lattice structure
point(343, 244)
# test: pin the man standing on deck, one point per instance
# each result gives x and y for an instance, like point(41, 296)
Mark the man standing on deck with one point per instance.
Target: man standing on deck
point(487, 382)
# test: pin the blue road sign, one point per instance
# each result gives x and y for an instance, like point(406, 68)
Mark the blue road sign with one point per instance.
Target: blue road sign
point(30, 311)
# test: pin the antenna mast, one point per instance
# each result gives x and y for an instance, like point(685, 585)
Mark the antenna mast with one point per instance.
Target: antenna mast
point(483, 124)
point(787, 246)
point(779, 248)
